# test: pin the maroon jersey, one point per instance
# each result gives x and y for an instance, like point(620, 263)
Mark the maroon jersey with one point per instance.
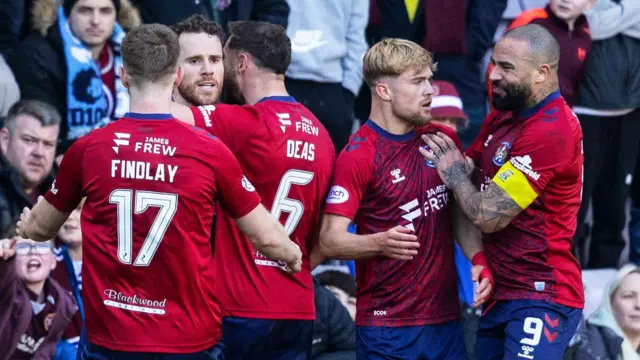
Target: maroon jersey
point(151, 182)
point(536, 158)
point(288, 156)
point(381, 181)
point(41, 321)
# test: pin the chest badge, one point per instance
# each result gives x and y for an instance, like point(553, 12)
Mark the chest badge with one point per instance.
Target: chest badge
point(501, 153)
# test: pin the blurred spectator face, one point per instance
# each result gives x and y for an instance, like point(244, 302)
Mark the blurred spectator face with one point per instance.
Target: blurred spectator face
point(348, 301)
point(70, 233)
point(201, 59)
point(570, 9)
point(511, 77)
point(410, 95)
point(30, 148)
point(92, 21)
point(625, 303)
point(34, 261)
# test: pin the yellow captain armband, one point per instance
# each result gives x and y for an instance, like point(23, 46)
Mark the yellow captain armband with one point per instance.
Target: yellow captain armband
point(514, 182)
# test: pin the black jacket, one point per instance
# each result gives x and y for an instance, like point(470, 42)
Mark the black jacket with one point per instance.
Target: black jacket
point(334, 333)
point(12, 196)
point(594, 343)
point(169, 12)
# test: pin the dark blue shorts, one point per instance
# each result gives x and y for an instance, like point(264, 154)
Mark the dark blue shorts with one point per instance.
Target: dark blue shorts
point(428, 342)
point(246, 339)
point(526, 330)
point(88, 351)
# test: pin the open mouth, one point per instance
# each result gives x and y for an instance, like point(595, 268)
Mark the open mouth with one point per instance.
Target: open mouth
point(206, 86)
point(33, 265)
point(426, 106)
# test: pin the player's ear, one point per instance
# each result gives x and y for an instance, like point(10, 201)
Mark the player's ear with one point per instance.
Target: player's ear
point(4, 139)
point(123, 76)
point(383, 91)
point(243, 63)
point(179, 76)
point(542, 73)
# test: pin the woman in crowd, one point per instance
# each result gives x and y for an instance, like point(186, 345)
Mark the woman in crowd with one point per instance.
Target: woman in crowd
point(612, 332)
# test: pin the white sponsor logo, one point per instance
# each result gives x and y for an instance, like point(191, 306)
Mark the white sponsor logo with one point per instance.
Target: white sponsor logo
point(412, 212)
point(247, 185)
point(29, 345)
point(122, 140)
point(206, 110)
point(526, 352)
point(523, 163)
point(379, 312)
point(337, 195)
point(539, 285)
point(134, 303)
point(285, 121)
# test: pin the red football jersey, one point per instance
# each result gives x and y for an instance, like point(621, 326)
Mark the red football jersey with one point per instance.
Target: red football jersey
point(382, 181)
point(536, 158)
point(288, 156)
point(151, 182)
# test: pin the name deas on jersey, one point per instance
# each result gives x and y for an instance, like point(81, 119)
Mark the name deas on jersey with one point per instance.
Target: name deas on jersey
point(300, 150)
point(140, 170)
point(158, 149)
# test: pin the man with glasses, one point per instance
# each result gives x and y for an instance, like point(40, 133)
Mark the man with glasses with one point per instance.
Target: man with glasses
point(38, 306)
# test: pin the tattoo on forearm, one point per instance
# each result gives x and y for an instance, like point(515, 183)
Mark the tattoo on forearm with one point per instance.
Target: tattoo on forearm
point(491, 209)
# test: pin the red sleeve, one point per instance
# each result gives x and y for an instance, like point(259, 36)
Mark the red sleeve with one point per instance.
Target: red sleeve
point(232, 124)
point(237, 195)
point(351, 176)
point(67, 189)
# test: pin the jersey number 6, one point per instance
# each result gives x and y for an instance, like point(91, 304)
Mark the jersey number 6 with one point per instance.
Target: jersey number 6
point(282, 203)
point(123, 198)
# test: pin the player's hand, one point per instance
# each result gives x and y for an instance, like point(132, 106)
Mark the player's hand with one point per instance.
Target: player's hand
point(295, 264)
point(7, 248)
point(398, 243)
point(25, 217)
point(445, 155)
point(481, 273)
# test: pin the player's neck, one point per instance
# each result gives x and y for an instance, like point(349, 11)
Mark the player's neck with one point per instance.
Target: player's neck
point(264, 85)
point(150, 100)
point(384, 117)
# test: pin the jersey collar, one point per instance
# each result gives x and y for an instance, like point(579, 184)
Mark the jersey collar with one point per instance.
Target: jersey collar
point(529, 112)
point(289, 99)
point(384, 133)
point(138, 116)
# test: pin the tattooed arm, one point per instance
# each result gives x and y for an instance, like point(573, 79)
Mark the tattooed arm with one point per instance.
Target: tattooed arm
point(490, 210)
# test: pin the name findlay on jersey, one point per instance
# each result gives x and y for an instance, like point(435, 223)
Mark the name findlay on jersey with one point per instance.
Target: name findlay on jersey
point(141, 170)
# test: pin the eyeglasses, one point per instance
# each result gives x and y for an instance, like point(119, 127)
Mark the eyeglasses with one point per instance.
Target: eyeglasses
point(38, 248)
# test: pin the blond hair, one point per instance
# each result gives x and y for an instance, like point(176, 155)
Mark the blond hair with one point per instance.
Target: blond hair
point(392, 57)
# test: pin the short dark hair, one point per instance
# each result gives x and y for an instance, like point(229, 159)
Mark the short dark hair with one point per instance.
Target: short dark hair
point(196, 24)
point(45, 113)
point(267, 43)
point(150, 53)
point(339, 279)
point(543, 46)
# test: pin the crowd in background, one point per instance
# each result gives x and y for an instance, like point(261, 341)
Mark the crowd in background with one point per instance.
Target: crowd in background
point(51, 94)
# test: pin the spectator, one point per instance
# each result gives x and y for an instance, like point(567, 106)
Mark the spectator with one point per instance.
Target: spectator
point(327, 47)
point(446, 106)
point(9, 91)
point(343, 286)
point(72, 64)
point(565, 20)
point(68, 273)
point(458, 36)
point(613, 330)
point(334, 332)
point(28, 143)
point(34, 309)
point(609, 111)
point(14, 23)
point(169, 12)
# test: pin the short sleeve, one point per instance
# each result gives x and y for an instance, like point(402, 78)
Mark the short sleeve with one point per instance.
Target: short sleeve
point(351, 176)
point(536, 155)
point(237, 195)
point(232, 124)
point(67, 189)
